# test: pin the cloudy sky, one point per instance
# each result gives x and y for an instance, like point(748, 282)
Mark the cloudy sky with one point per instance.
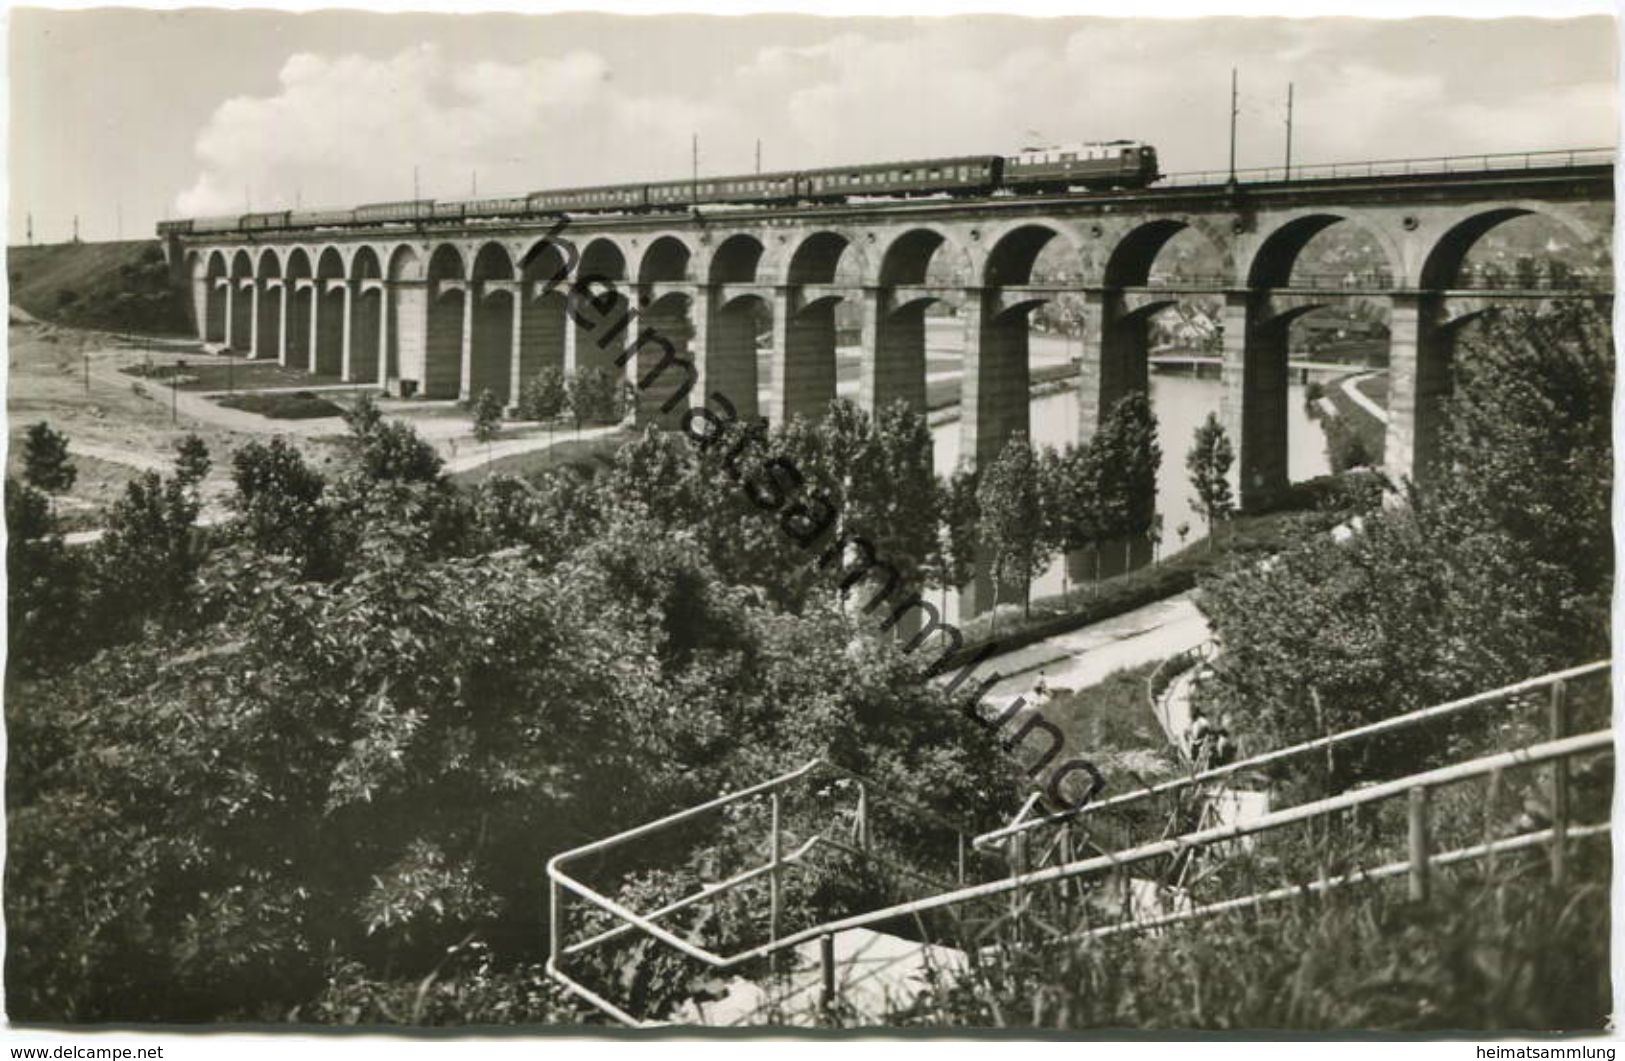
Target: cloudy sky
point(149, 114)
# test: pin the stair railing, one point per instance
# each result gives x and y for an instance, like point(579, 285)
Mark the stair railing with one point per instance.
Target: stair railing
point(1417, 867)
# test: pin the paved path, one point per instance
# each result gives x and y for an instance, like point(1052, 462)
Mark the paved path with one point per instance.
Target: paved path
point(1081, 658)
point(1363, 400)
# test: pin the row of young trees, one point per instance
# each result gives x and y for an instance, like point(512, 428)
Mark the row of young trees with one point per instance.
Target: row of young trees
point(1033, 505)
point(591, 394)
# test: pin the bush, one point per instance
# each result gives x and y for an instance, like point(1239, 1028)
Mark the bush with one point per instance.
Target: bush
point(596, 395)
point(300, 405)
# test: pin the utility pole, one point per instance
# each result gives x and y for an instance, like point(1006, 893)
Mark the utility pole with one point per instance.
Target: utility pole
point(694, 168)
point(30, 228)
point(1289, 130)
point(76, 228)
point(758, 154)
point(1234, 110)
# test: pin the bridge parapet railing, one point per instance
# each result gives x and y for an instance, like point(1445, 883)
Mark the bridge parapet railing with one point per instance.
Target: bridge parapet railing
point(1395, 167)
point(1492, 279)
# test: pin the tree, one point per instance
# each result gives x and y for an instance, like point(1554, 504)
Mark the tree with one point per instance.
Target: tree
point(1010, 530)
point(147, 559)
point(1071, 491)
point(544, 396)
point(891, 490)
point(1345, 447)
point(595, 395)
point(43, 585)
point(961, 519)
point(487, 413)
point(46, 464)
point(363, 416)
point(393, 451)
point(192, 461)
point(1127, 455)
point(1209, 463)
point(1500, 566)
point(278, 501)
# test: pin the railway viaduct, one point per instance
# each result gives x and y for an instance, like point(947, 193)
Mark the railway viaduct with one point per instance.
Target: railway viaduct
point(445, 310)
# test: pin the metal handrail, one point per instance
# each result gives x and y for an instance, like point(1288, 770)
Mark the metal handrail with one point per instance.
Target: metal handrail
point(631, 920)
point(1560, 749)
point(1279, 755)
point(1026, 876)
point(1599, 740)
point(1391, 869)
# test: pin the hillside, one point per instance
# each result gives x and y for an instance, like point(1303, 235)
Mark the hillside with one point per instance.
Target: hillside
point(122, 286)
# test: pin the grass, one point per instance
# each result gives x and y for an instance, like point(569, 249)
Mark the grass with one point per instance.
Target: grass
point(216, 375)
point(1486, 952)
point(1109, 724)
point(299, 405)
point(122, 286)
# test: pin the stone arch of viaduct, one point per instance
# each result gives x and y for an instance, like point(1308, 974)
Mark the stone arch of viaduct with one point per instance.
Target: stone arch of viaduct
point(447, 313)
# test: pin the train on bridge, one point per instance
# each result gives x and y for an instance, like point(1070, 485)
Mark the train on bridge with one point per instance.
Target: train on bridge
point(1095, 166)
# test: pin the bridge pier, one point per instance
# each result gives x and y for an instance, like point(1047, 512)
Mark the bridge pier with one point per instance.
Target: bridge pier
point(994, 388)
point(1114, 359)
point(542, 335)
point(803, 356)
point(893, 365)
point(681, 319)
point(410, 334)
point(730, 352)
point(994, 405)
point(270, 314)
point(365, 363)
point(1420, 349)
point(1253, 408)
point(253, 289)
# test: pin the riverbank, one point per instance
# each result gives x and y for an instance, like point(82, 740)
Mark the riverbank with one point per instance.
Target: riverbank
point(1309, 508)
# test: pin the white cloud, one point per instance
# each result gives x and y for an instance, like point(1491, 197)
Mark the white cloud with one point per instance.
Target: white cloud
point(347, 129)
